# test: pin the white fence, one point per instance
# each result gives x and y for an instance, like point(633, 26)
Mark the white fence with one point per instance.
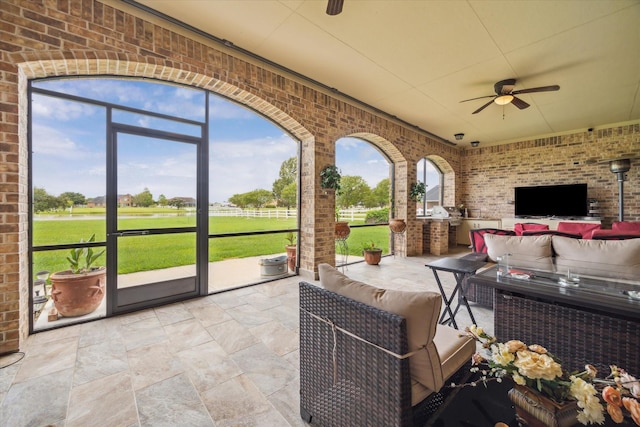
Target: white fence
point(345, 214)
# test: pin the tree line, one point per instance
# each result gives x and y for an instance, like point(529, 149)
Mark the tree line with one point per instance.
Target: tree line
point(45, 202)
point(354, 191)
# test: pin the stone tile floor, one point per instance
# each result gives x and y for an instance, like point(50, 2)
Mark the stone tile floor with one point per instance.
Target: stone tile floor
point(229, 359)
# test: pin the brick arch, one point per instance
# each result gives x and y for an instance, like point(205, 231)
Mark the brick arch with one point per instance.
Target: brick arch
point(390, 150)
point(34, 65)
point(39, 65)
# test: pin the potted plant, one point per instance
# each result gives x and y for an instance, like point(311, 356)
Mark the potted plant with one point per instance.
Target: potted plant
point(330, 178)
point(417, 192)
point(79, 290)
point(372, 254)
point(292, 249)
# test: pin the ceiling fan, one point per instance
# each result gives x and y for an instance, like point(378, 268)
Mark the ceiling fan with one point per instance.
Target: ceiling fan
point(505, 94)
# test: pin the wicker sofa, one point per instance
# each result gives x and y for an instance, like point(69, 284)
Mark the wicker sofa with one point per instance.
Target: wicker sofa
point(552, 252)
point(358, 365)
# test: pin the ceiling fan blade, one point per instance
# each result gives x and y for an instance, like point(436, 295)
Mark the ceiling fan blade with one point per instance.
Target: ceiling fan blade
point(519, 103)
point(480, 97)
point(483, 107)
point(334, 7)
point(537, 89)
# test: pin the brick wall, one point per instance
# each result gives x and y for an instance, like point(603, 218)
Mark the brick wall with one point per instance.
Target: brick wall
point(488, 175)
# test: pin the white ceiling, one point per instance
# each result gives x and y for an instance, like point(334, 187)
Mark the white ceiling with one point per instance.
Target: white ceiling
point(417, 59)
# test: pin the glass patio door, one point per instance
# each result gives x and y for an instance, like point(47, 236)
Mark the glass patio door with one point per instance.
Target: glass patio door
point(152, 218)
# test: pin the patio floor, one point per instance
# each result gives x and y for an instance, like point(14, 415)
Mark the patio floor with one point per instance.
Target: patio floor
point(227, 359)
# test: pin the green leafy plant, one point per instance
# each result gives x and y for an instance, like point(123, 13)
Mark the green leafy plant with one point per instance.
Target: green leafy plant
point(370, 246)
point(81, 259)
point(290, 238)
point(418, 189)
point(378, 216)
point(330, 178)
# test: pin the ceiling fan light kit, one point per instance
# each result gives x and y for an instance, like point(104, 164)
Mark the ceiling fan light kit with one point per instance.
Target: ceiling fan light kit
point(503, 99)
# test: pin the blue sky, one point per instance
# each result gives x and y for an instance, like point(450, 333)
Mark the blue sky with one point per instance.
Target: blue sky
point(246, 150)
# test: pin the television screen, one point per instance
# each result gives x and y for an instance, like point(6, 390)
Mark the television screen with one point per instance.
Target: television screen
point(567, 200)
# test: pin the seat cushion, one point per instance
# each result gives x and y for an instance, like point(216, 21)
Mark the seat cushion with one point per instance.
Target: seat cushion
point(583, 228)
point(524, 251)
point(453, 349)
point(420, 309)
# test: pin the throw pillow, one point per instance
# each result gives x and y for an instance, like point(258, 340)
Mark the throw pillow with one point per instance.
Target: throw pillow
point(521, 227)
point(525, 251)
point(626, 226)
point(607, 258)
point(420, 309)
point(583, 228)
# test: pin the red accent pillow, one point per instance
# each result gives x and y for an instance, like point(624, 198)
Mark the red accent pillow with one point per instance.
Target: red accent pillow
point(520, 227)
point(583, 228)
point(626, 226)
point(614, 234)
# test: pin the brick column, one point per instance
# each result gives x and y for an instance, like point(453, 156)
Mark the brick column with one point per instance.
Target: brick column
point(439, 237)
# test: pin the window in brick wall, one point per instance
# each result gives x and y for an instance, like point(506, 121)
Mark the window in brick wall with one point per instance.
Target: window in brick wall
point(429, 174)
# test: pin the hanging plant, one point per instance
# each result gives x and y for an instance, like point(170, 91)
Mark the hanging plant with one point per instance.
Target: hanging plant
point(330, 178)
point(417, 192)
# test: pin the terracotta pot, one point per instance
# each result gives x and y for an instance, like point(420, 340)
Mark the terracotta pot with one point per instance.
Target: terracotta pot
point(397, 225)
point(78, 294)
point(291, 256)
point(535, 410)
point(342, 230)
point(372, 256)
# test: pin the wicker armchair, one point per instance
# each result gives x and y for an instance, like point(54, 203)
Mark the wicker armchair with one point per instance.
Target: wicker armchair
point(347, 381)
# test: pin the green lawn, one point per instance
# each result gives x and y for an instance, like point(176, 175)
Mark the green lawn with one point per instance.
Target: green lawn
point(142, 253)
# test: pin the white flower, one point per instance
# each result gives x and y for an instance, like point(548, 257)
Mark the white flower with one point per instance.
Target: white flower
point(518, 379)
point(501, 354)
point(586, 395)
point(535, 365)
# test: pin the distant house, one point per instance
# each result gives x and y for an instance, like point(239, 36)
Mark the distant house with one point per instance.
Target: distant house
point(432, 197)
point(101, 201)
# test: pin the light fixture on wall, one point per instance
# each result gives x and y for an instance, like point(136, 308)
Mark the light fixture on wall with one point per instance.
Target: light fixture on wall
point(475, 143)
point(459, 136)
point(620, 167)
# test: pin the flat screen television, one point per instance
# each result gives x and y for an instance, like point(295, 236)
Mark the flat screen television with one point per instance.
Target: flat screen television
point(565, 200)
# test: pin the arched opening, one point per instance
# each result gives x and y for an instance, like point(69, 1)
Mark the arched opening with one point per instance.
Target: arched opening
point(157, 191)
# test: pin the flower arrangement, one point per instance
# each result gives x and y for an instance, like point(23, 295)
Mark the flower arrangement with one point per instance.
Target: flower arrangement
point(540, 370)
